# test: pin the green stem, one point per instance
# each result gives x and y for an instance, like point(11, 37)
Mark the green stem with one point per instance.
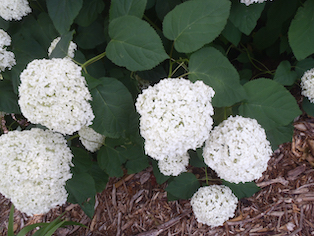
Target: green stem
point(206, 176)
point(73, 137)
point(94, 59)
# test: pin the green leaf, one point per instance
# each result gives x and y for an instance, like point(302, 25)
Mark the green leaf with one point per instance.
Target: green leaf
point(164, 6)
point(89, 12)
point(193, 24)
point(160, 178)
point(62, 47)
point(63, 12)
point(109, 160)
point(284, 75)
point(8, 99)
point(91, 36)
point(210, 66)
point(136, 159)
point(81, 160)
point(303, 66)
point(301, 31)
point(279, 135)
point(308, 107)
point(11, 222)
point(183, 186)
point(266, 36)
point(245, 17)
point(112, 105)
point(269, 103)
point(100, 177)
point(242, 190)
point(127, 7)
point(196, 158)
point(232, 33)
point(134, 44)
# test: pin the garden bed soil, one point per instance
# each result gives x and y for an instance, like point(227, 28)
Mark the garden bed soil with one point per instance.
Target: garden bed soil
point(137, 205)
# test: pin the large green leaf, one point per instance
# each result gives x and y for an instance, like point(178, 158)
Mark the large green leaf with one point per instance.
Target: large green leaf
point(209, 65)
point(89, 12)
point(108, 159)
point(8, 99)
point(127, 7)
point(304, 65)
point(232, 33)
point(245, 17)
point(100, 177)
point(301, 31)
point(63, 12)
point(242, 190)
point(134, 44)
point(183, 186)
point(193, 24)
point(279, 135)
point(91, 36)
point(269, 103)
point(81, 160)
point(136, 159)
point(112, 105)
point(61, 49)
point(284, 75)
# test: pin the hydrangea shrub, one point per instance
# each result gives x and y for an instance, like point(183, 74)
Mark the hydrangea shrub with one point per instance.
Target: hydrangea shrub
point(152, 82)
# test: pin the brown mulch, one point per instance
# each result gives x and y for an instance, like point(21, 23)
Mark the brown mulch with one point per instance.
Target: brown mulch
point(137, 205)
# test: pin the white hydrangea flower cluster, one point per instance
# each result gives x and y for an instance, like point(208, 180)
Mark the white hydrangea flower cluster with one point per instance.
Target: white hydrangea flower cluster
point(249, 2)
point(34, 167)
point(14, 9)
point(307, 85)
point(238, 150)
point(7, 59)
point(174, 165)
point(54, 93)
point(175, 116)
point(71, 50)
point(91, 140)
point(213, 205)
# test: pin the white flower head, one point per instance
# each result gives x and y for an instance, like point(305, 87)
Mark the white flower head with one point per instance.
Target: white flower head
point(7, 59)
point(54, 93)
point(14, 9)
point(238, 150)
point(91, 140)
point(249, 2)
point(71, 50)
point(34, 167)
point(174, 165)
point(175, 116)
point(213, 205)
point(5, 39)
point(307, 85)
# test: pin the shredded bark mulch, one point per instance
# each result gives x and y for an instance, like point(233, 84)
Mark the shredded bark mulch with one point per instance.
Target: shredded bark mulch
point(137, 205)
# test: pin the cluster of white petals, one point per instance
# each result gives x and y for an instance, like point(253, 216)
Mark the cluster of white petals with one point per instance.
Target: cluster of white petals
point(174, 165)
point(213, 205)
point(307, 84)
point(91, 140)
point(7, 59)
point(249, 2)
point(71, 50)
point(34, 167)
point(14, 9)
point(238, 150)
point(175, 116)
point(53, 93)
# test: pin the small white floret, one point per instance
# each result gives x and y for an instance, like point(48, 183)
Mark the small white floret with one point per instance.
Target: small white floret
point(213, 205)
point(249, 2)
point(238, 150)
point(307, 85)
point(14, 9)
point(71, 50)
point(91, 140)
point(174, 165)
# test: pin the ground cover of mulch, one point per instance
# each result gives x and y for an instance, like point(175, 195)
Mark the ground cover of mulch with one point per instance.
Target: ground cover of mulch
point(137, 205)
